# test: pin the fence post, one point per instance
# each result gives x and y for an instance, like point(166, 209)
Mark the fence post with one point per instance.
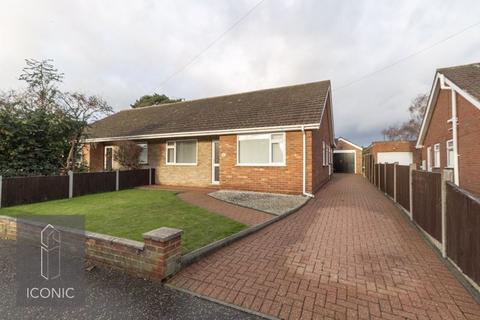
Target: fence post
point(385, 177)
point(149, 176)
point(70, 183)
point(1, 181)
point(446, 175)
point(117, 179)
point(413, 166)
point(395, 182)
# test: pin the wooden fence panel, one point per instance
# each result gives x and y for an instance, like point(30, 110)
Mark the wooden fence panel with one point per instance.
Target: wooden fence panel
point(463, 226)
point(23, 190)
point(427, 202)
point(93, 182)
point(381, 176)
point(390, 181)
point(377, 175)
point(133, 178)
point(403, 186)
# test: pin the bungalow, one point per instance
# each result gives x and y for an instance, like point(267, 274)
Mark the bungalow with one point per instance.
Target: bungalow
point(450, 132)
point(273, 140)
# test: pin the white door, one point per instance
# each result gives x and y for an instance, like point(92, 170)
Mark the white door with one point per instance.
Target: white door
point(215, 162)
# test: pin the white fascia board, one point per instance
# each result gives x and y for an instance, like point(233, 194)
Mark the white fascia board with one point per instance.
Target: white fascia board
point(350, 143)
point(206, 133)
point(328, 98)
point(433, 94)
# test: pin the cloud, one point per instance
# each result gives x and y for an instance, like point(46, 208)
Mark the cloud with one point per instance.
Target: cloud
point(124, 49)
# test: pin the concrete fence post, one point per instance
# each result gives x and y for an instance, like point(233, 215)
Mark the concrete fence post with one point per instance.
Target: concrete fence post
point(117, 180)
point(149, 176)
point(70, 183)
point(413, 167)
point(1, 180)
point(395, 182)
point(446, 175)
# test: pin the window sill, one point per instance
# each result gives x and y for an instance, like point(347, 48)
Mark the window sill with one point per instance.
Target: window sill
point(260, 165)
point(181, 164)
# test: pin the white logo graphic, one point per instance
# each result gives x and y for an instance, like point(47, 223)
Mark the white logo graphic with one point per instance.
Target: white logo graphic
point(50, 253)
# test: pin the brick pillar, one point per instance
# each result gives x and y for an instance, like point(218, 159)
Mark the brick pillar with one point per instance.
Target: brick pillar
point(163, 248)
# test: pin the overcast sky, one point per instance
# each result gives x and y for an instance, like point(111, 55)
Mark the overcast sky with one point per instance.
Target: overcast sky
point(124, 49)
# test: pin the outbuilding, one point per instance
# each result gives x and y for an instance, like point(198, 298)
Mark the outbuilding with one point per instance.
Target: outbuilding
point(347, 157)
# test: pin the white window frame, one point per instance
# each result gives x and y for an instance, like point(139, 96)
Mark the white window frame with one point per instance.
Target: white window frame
point(255, 137)
point(140, 144)
point(324, 153)
point(174, 147)
point(447, 149)
point(429, 158)
point(436, 156)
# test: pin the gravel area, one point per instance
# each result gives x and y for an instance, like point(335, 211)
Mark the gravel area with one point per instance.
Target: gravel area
point(273, 203)
point(112, 295)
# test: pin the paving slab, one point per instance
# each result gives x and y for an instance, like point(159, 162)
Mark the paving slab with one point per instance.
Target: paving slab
point(348, 253)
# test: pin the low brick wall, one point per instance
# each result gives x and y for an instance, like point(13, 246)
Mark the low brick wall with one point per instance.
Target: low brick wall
point(156, 258)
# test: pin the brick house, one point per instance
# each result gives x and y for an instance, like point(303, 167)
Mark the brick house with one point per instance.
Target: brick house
point(450, 132)
point(273, 140)
point(347, 157)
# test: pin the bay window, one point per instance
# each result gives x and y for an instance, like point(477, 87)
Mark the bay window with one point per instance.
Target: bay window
point(181, 152)
point(261, 149)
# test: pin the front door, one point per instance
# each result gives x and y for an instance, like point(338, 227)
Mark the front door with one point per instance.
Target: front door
point(108, 159)
point(215, 162)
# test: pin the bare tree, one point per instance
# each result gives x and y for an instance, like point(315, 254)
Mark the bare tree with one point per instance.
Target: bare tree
point(127, 154)
point(409, 129)
point(82, 110)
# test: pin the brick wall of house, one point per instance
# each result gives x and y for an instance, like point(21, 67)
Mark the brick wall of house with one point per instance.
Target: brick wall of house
point(320, 173)
point(341, 145)
point(284, 179)
point(439, 131)
point(199, 175)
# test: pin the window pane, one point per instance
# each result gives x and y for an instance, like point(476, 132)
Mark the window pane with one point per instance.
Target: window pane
point(216, 174)
point(170, 152)
point(216, 152)
point(143, 158)
point(277, 153)
point(254, 151)
point(186, 151)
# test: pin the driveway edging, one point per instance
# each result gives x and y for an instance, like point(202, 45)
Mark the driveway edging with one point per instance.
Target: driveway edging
point(233, 306)
point(197, 254)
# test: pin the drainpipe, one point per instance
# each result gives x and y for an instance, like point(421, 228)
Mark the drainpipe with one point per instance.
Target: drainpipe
point(305, 193)
point(454, 121)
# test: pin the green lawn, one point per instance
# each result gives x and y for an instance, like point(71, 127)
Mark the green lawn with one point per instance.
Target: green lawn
point(130, 213)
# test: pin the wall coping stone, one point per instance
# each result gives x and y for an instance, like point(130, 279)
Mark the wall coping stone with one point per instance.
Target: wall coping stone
point(163, 234)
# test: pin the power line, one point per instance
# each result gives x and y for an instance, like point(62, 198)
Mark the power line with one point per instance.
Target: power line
point(211, 44)
point(367, 75)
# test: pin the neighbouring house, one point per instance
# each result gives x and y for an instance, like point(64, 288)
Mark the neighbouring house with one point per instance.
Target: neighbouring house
point(450, 132)
point(273, 140)
point(347, 157)
point(402, 152)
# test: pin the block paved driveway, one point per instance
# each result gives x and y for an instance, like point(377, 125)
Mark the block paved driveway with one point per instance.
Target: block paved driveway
point(348, 254)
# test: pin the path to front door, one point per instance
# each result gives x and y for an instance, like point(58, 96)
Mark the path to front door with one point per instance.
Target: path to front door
point(349, 253)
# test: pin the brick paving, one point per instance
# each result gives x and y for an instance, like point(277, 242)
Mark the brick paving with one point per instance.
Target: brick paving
point(200, 198)
point(348, 254)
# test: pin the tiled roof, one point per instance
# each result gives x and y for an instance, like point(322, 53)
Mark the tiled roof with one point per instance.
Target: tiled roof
point(285, 106)
point(467, 77)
